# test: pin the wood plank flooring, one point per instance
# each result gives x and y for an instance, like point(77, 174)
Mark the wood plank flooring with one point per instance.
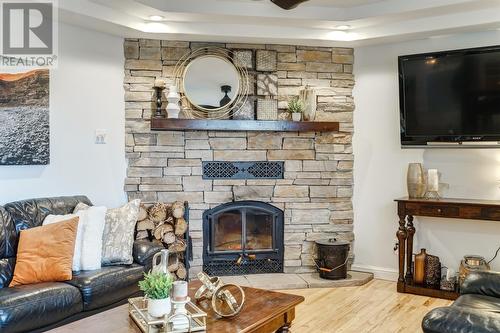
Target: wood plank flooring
point(373, 308)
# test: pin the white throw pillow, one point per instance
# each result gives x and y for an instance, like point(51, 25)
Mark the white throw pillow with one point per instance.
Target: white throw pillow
point(118, 237)
point(88, 243)
point(92, 237)
point(79, 233)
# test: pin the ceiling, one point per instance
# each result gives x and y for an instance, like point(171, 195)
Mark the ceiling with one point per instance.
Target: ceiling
point(316, 22)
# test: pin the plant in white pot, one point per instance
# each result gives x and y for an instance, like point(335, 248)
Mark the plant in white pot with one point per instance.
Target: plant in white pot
point(156, 286)
point(296, 108)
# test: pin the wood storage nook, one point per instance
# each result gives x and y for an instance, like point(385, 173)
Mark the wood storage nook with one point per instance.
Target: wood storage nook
point(167, 224)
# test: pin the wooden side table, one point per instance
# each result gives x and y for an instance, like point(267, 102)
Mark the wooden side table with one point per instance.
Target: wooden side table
point(448, 208)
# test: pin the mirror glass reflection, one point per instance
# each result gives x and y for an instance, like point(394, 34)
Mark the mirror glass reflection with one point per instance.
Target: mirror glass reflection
point(211, 82)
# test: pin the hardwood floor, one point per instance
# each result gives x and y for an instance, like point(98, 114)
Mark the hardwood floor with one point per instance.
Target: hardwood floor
point(374, 307)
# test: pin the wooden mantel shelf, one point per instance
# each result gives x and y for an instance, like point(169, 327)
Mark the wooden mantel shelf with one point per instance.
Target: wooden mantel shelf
point(163, 124)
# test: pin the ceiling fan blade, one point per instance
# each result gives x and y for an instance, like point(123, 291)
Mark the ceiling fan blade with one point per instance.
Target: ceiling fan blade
point(288, 4)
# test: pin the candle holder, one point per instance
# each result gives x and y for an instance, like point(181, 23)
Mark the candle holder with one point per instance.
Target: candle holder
point(158, 93)
point(179, 318)
point(432, 184)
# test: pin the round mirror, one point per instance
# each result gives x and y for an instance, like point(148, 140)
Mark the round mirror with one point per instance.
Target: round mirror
point(211, 82)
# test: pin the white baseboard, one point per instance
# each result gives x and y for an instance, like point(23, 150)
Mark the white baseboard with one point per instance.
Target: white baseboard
point(382, 273)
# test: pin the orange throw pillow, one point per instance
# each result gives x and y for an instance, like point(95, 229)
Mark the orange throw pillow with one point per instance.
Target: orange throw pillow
point(45, 254)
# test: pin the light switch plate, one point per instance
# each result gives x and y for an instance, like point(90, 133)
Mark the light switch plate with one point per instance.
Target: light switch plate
point(101, 136)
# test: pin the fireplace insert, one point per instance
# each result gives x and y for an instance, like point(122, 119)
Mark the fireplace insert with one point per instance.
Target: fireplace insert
point(243, 237)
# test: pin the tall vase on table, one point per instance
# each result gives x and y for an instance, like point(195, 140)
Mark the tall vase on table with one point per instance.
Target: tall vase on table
point(415, 180)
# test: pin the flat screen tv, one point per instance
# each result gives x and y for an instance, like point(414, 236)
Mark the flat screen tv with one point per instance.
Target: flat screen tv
point(450, 98)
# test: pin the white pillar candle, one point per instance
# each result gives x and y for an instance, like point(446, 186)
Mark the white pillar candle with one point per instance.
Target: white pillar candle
point(160, 83)
point(432, 180)
point(180, 291)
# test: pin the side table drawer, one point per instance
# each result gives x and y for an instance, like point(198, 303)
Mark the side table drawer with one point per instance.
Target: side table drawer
point(491, 214)
point(432, 210)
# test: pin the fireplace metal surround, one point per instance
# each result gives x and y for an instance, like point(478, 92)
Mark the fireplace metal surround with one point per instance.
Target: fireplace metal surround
point(243, 237)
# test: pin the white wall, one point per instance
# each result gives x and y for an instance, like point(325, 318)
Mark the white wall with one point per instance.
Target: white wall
point(86, 93)
point(380, 166)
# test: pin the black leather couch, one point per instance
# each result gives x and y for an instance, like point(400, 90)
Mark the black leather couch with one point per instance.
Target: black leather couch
point(477, 310)
point(42, 306)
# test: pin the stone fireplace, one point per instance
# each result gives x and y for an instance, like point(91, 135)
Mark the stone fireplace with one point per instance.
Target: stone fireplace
point(243, 237)
point(312, 180)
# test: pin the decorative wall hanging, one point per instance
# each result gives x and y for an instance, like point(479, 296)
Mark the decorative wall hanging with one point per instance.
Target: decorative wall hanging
point(24, 118)
point(266, 60)
point(267, 109)
point(212, 83)
point(267, 84)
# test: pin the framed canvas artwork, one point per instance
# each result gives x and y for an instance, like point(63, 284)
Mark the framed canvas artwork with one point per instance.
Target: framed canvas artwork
point(24, 118)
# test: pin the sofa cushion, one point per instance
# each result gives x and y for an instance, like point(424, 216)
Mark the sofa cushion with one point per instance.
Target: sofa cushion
point(479, 302)
point(107, 285)
point(24, 308)
point(45, 253)
point(8, 241)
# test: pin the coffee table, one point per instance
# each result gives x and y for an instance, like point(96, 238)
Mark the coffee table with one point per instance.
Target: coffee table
point(264, 312)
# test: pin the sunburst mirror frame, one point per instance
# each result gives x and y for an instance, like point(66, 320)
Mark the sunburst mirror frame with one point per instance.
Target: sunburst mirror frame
point(193, 111)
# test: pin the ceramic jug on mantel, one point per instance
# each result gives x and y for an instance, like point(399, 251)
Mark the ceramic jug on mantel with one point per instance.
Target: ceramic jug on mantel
point(162, 266)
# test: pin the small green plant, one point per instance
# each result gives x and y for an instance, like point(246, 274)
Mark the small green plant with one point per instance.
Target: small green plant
point(156, 285)
point(295, 105)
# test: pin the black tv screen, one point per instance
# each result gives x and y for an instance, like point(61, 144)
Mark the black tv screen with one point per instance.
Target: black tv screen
point(451, 96)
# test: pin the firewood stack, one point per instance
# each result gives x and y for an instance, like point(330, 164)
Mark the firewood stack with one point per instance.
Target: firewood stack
point(165, 224)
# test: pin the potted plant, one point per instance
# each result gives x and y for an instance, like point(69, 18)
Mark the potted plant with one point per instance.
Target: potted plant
point(156, 286)
point(296, 108)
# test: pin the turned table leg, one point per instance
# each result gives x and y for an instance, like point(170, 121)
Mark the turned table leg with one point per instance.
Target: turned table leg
point(410, 231)
point(401, 234)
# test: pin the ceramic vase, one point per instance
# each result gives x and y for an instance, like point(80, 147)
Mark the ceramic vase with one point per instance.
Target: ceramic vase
point(415, 180)
point(159, 307)
point(173, 107)
point(308, 96)
point(296, 116)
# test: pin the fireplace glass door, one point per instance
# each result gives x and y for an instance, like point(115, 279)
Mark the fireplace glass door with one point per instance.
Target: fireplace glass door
point(244, 229)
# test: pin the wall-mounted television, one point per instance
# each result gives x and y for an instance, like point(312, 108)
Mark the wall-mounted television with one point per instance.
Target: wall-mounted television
point(450, 98)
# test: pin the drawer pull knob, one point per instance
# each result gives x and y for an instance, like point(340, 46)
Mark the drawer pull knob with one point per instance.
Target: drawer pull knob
point(439, 210)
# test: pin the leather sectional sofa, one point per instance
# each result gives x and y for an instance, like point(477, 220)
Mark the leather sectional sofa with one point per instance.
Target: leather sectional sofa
point(477, 310)
point(43, 306)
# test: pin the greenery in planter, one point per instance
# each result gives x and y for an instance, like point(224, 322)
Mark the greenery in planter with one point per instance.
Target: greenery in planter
point(156, 285)
point(295, 105)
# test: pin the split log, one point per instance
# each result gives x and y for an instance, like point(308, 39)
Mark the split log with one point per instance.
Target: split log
point(143, 213)
point(169, 238)
point(158, 212)
point(178, 246)
point(180, 227)
point(161, 230)
point(181, 271)
point(168, 227)
point(143, 234)
point(145, 225)
point(173, 263)
point(170, 220)
point(177, 209)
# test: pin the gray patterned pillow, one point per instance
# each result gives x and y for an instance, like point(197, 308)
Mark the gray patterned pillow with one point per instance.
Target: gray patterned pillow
point(118, 235)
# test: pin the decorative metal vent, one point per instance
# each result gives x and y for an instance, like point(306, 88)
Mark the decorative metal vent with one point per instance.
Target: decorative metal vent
point(243, 170)
point(249, 267)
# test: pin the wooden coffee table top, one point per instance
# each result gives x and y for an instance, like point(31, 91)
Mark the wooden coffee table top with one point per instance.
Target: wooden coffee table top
point(264, 312)
point(261, 307)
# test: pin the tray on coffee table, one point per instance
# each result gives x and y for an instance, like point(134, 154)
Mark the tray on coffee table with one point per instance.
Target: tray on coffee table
point(147, 324)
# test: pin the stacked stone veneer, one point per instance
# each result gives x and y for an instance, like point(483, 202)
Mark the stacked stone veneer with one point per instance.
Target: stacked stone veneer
point(316, 191)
